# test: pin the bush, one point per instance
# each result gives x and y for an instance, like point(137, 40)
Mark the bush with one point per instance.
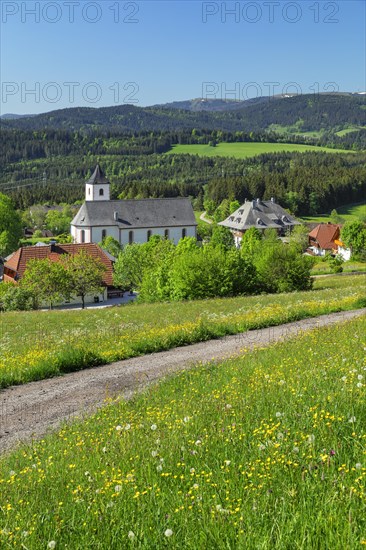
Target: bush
point(18, 299)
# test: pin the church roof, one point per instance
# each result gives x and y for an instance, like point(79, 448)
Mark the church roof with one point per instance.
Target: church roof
point(259, 214)
point(134, 214)
point(98, 177)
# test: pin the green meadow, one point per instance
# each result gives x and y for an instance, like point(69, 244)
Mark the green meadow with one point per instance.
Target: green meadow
point(42, 344)
point(266, 450)
point(245, 150)
point(349, 212)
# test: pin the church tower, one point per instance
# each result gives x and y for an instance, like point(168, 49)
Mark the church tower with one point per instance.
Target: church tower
point(97, 188)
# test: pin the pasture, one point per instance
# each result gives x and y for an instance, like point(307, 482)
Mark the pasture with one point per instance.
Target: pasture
point(265, 450)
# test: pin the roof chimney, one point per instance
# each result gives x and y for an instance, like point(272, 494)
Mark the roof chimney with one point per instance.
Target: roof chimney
point(272, 199)
point(115, 216)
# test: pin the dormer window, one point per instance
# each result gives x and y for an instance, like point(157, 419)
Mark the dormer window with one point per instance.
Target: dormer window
point(101, 192)
point(241, 212)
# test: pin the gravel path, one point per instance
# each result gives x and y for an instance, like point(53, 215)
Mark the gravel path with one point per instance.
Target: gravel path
point(29, 411)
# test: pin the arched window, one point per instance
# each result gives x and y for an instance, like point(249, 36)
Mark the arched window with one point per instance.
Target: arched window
point(130, 237)
point(149, 233)
point(166, 233)
point(104, 233)
point(89, 191)
point(82, 235)
point(184, 232)
point(101, 192)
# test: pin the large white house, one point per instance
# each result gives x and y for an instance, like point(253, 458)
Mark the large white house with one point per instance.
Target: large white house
point(129, 221)
point(261, 215)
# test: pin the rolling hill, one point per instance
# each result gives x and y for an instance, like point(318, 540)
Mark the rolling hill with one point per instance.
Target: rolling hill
point(305, 113)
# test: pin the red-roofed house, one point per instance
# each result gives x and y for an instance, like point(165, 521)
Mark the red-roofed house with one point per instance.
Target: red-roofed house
point(16, 264)
point(324, 238)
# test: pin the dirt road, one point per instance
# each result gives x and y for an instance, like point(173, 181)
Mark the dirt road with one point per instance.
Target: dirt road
point(29, 411)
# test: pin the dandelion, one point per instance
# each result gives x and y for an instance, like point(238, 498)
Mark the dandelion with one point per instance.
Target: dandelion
point(51, 544)
point(192, 470)
point(154, 453)
point(154, 427)
point(118, 428)
point(195, 486)
point(168, 533)
point(159, 467)
point(198, 442)
point(228, 406)
point(295, 450)
point(359, 384)
point(128, 427)
point(104, 450)
point(227, 462)
point(262, 447)
point(358, 466)
point(118, 488)
point(282, 382)
point(280, 435)
point(344, 378)
point(352, 419)
point(360, 377)
point(311, 439)
point(186, 419)
point(278, 415)
point(131, 535)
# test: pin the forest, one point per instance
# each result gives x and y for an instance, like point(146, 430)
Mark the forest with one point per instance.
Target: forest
point(46, 159)
point(310, 112)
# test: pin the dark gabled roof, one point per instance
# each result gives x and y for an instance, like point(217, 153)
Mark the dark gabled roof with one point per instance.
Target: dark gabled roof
point(98, 177)
point(259, 214)
point(134, 214)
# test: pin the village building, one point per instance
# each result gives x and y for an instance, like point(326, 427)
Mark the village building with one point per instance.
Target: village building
point(129, 221)
point(325, 238)
point(261, 215)
point(16, 265)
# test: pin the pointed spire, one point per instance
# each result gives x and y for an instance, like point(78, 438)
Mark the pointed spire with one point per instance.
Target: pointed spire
point(98, 176)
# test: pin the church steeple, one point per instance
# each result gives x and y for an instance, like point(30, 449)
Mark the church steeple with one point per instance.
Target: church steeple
point(97, 188)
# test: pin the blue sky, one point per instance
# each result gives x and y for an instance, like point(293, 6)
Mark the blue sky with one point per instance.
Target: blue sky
point(106, 52)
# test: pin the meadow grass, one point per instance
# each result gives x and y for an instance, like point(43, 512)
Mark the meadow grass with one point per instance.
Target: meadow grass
point(245, 150)
point(349, 212)
point(37, 345)
point(323, 268)
point(266, 450)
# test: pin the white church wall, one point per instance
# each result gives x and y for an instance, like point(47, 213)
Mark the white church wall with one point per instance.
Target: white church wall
point(140, 235)
point(111, 231)
point(76, 233)
point(92, 192)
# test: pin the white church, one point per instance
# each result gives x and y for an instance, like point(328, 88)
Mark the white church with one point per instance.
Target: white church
point(129, 221)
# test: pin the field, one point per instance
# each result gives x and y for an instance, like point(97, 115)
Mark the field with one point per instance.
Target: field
point(37, 345)
point(262, 451)
point(245, 150)
point(349, 212)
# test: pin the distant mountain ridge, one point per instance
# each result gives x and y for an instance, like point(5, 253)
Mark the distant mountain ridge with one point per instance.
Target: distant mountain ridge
point(305, 113)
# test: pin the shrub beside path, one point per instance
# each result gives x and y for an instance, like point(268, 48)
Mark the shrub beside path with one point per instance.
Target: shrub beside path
point(29, 411)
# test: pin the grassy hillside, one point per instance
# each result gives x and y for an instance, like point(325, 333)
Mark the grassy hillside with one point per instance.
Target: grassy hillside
point(38, 345)
point(262, 451)
point(245, 150)
point(349, 212)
